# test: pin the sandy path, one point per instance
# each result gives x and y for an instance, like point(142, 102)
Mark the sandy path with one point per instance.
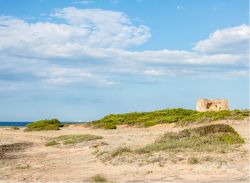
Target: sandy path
point(78, 163)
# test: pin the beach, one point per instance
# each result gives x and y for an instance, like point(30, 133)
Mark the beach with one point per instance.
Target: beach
point(33, 161)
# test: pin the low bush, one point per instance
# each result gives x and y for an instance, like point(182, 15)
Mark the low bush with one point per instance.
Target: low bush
point(179, 116)
point(110, 126)
point(149, 123)
point(52, 124)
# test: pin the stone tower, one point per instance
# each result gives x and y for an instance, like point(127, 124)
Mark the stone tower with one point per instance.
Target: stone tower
point(204, 105)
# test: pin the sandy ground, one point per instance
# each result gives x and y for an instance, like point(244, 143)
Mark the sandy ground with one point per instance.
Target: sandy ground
point(78, 163)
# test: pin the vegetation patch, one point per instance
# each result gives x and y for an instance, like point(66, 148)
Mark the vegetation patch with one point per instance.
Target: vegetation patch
point(120, 151)
point(193, 160)
point(211, 138)
point(22, 166)
point(179, 116)
point(52, 124)
point(74, 139)
point(14, 128)
point(201, 117)
point(9, 148)
point(99, 178)
point(149, 123)
point(52, 143)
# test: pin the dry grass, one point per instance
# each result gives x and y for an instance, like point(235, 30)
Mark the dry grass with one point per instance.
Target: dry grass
point(74, 139)
point(99, 178)
point(193, 160)
point(211, 138)
point(52, 143)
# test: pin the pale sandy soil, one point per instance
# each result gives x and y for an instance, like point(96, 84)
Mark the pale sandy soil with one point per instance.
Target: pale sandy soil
point(80, 162)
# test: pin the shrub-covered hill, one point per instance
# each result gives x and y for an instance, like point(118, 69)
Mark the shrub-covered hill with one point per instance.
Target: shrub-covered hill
point(179, 116)
point(52, 124)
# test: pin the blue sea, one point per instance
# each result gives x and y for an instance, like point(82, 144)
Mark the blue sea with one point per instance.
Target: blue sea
point(14, 123)
point(20, 124)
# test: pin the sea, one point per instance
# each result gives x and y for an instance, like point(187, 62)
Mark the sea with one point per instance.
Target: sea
point(20, 124)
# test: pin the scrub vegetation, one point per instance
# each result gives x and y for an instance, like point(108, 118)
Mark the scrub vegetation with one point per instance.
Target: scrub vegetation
point(52, 124)
point(179, 116)
point(210, 138)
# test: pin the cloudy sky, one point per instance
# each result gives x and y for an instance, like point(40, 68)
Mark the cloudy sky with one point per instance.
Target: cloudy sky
point(78, 60)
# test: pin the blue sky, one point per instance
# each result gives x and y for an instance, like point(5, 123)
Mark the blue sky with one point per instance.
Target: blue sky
point(78, 60)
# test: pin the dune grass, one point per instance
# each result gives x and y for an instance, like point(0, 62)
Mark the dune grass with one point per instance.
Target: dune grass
point(74, 139)
point(218, 138)
point(99, 178)
point(209, 138)
point(179, 116)
point(120, 151)
point(52, 143)
point(52, 124)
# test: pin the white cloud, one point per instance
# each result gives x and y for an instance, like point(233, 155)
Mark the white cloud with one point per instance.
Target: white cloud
point(227, 41)
point(63, 76)
point(107, 35)
point(106, 29)
point(80, 32)
point(35, 49)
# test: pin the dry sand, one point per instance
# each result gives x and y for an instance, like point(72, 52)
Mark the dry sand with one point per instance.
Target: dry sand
point(78, 163)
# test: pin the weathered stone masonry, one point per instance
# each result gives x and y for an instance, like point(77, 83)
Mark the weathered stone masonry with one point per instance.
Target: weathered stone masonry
point(204, 105)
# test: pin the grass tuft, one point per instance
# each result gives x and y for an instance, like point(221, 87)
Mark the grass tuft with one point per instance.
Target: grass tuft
point(120, 151)
point(22, 166)
point(52, 143)
point(193, 160)
point(99, 178)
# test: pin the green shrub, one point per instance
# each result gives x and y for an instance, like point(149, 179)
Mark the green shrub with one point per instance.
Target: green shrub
point(99, 178)
point(52, 124)
point(110, 126)
point(143, 118)
point(179, 116)
point(149, 123)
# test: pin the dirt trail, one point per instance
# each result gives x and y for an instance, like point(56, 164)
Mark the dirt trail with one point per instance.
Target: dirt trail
point(78, 163)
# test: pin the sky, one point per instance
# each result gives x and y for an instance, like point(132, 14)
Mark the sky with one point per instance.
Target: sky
point(79, 60)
